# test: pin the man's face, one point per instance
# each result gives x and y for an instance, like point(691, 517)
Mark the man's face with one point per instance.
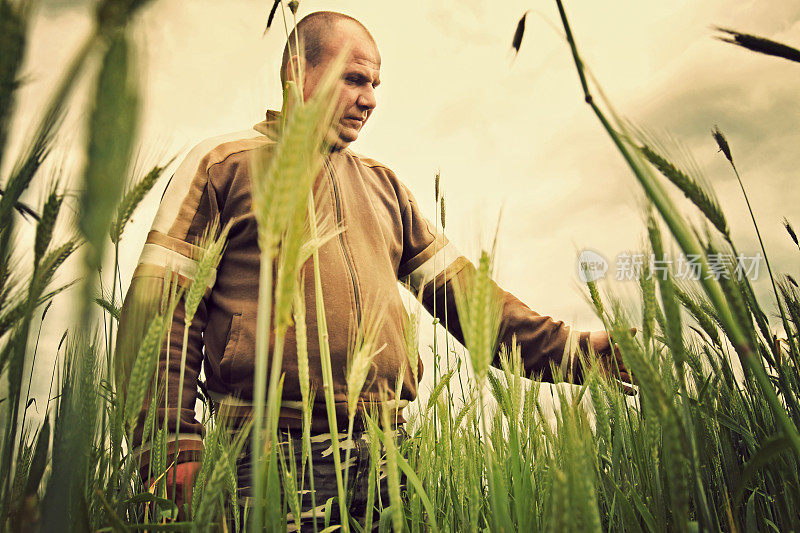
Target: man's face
point(360, 77)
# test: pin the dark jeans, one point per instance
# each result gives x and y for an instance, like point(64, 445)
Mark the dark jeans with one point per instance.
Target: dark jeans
point(325, 487)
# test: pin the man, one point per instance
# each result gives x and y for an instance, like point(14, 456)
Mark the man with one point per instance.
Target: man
point(385, 239)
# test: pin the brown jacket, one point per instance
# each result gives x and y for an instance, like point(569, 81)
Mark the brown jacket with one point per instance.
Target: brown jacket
point(385, 239)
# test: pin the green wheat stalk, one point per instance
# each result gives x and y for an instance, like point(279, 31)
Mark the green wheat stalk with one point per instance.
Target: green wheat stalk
point(281, 185)
point(213, 246)
point(131, 200)
point(362, 352)
point(690, 246)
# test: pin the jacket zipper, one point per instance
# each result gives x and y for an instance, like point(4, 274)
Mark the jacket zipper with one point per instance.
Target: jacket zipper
point(347, 259)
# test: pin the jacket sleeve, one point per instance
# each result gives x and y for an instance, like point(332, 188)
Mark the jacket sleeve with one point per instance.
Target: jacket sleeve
point(433, 266)
point(187, 208)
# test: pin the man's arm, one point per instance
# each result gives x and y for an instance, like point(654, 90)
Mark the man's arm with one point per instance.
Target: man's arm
point(542, 340)
point(432, 265)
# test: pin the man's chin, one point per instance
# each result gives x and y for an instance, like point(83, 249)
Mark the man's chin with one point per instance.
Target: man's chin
point(339, 140)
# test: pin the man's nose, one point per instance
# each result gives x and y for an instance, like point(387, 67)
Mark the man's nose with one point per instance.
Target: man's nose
point(366, 100)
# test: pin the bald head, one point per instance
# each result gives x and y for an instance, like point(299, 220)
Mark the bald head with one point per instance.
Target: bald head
point(324, 36)
point(314, 32)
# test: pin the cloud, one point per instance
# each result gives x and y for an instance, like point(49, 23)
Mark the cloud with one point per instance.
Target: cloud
point(464, 24)
point(754, 102)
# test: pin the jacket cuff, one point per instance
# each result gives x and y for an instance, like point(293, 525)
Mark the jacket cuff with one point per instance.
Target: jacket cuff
point(583, 351)
point(190, 449)
point(583, 342)
point(576, 346)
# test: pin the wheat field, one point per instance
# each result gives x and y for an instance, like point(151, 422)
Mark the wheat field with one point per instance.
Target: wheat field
point(710, 442)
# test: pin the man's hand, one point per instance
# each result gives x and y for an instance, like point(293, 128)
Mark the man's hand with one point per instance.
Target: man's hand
point(184, 474)
point(610, 360)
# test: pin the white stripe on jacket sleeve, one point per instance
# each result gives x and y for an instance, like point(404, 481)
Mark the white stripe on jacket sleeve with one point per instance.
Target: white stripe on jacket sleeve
point(153, 254)
point(433, 267)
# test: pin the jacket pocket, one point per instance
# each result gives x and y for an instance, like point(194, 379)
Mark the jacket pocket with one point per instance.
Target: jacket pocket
point(231, 351)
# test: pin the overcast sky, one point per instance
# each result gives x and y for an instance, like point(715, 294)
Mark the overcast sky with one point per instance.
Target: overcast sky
point(504, 133)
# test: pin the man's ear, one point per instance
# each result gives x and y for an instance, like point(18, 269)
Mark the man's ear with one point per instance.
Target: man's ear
point(292, 88)
point(296, 69)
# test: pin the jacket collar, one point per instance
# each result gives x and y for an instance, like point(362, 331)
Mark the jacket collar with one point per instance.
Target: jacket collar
point(271, 126)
